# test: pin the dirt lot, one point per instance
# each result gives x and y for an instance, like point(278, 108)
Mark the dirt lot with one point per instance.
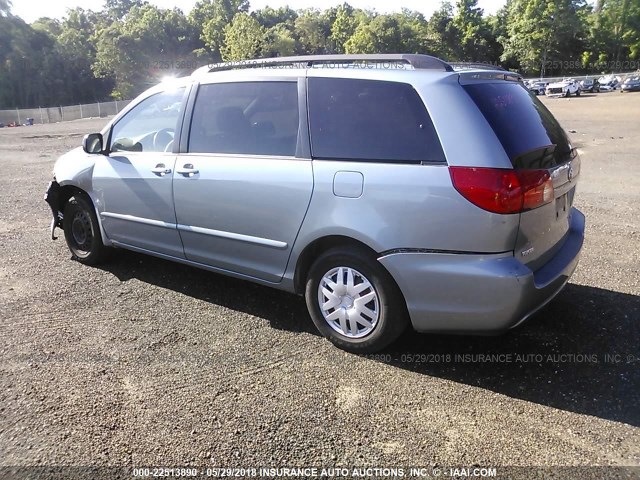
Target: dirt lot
point(145, 362)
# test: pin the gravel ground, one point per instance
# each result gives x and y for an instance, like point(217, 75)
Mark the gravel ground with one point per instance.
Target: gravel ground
point(145, 362)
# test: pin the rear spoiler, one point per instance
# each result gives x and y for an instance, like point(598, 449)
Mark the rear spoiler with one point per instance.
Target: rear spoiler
point(496, 75)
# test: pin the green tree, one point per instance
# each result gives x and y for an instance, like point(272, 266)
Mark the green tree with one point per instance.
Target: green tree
point(118, 9)
point(270, 17)
point(278, 42)
point(497, 25)
point(131, 44)
point(614, 33)
point(278, 27)
point(211, 17)
point(148, 44)
point(397, 33)
point(544, 33)
point(243, 39)
point(442, 32)
point(27, 64)
point(343, 27)
point(413, 31)
point(76, 49)
point(312, 30)
point(50, 26)
point(474, 35)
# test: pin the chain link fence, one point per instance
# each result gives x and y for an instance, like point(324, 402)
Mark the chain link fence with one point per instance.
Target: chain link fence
point(20, 116)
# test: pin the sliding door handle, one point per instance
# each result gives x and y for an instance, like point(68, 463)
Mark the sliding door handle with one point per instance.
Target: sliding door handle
point(161, 170)
point(188, 170)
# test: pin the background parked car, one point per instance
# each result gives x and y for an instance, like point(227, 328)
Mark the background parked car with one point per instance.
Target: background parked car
point(608, 83)
point(565, 88)
point(590, 85)
point(631, 84)
point(537, 86)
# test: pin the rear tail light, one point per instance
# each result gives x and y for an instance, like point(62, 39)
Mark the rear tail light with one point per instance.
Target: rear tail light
point(537, 188)
point(504, 191)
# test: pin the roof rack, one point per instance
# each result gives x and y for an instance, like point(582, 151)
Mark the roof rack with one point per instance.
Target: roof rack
point(475, 66)
point(416, 61)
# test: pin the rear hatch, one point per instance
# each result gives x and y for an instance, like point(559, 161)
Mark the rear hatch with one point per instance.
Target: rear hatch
point(538, 149)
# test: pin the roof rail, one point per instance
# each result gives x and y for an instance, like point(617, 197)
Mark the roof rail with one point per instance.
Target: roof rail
point(475, 66)
point(416, 61)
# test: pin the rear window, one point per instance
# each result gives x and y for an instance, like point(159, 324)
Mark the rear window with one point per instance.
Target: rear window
point(530, 135)
point(370, 120)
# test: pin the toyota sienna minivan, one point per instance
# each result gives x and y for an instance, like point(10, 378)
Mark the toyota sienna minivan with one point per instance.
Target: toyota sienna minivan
point(387, 189)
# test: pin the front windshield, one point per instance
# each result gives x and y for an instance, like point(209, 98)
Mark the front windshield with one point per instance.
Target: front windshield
point(150, 125)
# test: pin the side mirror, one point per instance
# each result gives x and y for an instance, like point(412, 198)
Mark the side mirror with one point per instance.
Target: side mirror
point(92, 143)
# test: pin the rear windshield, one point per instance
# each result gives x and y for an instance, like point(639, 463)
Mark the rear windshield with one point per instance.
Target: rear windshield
point(530, 135)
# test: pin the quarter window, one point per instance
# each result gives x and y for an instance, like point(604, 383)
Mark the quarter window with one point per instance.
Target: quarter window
point(370, 120)
point(149, 126)
point(253, 118)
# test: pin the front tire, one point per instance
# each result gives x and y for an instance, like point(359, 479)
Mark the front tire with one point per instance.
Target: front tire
point(354, 302)
point(82, 232)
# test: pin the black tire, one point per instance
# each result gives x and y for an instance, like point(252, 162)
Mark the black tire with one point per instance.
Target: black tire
point(577, 93)
point(392, 318)
point(82, 232)
point(567, 93)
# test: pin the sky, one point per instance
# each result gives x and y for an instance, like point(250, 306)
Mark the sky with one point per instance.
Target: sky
point(30, 10)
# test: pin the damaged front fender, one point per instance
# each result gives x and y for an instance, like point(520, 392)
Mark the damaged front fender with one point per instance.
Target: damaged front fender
point(52, 197)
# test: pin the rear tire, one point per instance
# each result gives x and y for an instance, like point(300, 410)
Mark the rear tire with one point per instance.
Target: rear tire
point(82, 232)
point(354, 302)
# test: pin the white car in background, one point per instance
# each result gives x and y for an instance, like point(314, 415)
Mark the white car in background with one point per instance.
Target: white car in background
point(564, 88)
point(537, 86)
point(608, 83)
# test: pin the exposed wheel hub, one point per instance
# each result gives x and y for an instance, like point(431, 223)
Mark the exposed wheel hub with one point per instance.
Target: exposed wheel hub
point(81, 230)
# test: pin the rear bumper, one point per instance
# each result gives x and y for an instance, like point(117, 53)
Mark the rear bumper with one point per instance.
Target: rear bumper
point(465, 293)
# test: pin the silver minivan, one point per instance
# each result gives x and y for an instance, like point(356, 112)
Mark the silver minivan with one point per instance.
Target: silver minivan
point(386, 189)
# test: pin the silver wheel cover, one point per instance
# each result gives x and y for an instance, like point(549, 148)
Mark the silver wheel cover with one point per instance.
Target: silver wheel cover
point(348, 302)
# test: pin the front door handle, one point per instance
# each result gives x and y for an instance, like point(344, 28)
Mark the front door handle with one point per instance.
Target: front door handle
point(161, 170)
point(188, 170)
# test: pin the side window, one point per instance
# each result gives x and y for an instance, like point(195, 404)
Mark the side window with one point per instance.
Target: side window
point(253, 118)
point(150, 125)
point(370, 120)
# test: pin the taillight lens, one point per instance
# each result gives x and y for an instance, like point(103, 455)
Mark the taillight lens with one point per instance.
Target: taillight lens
point(537, 188)
point(503, 191)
